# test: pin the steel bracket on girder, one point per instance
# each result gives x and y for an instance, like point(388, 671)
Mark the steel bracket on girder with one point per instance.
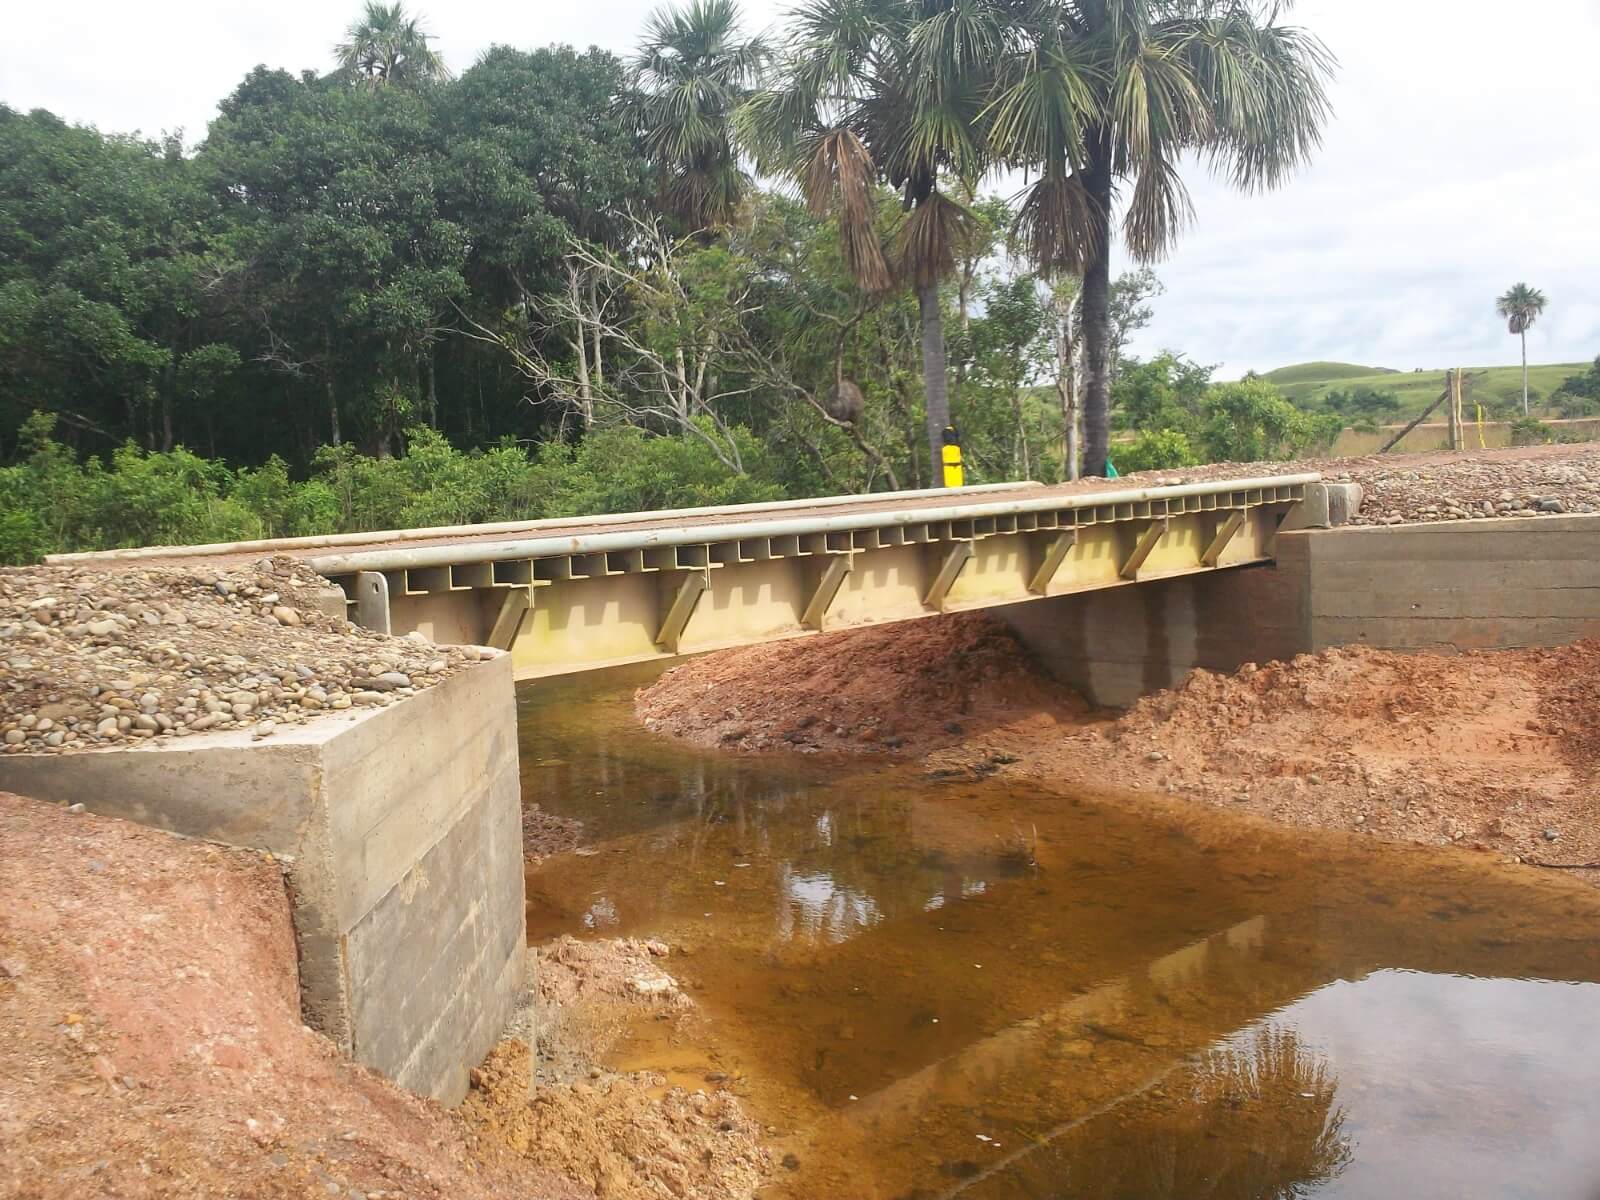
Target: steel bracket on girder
point(958, 557)
point(1060, 546)
point(514, 607)
point(688, 595)
point(1225, 534)
point(828, 586)
point(1148, 540)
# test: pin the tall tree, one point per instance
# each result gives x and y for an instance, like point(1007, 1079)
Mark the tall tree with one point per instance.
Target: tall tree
point(693, 69)
point(389, 46)
point(1096, 95)
point(880, 91)
point(1521, 306)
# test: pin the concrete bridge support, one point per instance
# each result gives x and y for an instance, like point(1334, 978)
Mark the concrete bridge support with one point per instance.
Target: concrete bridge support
point(401, 831)
point(1443, 588)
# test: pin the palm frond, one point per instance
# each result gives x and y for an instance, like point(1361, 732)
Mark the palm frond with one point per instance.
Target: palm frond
point(839, 178)
point(1059, 225)
point(1521, 306)
point(930, 236)
point(1158, 211)
point(1269, 98)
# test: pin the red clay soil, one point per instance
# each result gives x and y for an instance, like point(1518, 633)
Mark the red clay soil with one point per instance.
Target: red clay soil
point(883, 689)
point(151, 1044)
point(1495, 751)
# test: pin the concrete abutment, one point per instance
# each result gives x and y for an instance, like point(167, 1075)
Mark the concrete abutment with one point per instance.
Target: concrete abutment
point(1442, 588)
point(400, 828)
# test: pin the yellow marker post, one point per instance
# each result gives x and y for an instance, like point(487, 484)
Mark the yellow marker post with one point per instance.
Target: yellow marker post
point(954, 472)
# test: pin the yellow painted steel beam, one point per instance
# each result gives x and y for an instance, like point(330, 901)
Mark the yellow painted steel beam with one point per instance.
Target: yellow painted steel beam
point(683, 604)
point(958, 557)
point(1225, 534)
point(816, 612)
point(1060, 546)
point(631, 604)
point(508, 621)
point(1142, 550)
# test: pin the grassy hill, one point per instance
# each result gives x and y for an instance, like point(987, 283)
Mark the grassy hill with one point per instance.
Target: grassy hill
point(1307, 383)
point(1322, 372)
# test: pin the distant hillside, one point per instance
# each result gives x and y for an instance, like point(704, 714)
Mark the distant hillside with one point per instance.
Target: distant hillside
point(1308, 383)
point(1322, 372)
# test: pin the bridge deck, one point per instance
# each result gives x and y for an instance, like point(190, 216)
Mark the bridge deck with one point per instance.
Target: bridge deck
point(570, 595)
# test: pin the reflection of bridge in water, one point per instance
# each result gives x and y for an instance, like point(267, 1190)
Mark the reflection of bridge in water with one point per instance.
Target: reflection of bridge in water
point(893, 979)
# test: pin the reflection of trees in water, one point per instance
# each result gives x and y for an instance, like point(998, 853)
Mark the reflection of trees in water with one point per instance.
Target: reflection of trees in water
point(1253, 1119)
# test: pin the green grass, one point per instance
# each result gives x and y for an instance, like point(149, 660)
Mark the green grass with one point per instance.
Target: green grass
point(1490, 386)
point(1321, 372)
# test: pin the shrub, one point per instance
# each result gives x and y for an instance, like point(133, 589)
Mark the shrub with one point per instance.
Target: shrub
point(1155, 450)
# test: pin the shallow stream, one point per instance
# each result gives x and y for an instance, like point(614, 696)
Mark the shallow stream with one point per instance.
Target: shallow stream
point(988, 990)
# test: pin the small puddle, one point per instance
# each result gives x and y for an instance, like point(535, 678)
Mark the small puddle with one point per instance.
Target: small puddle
point(988, 990)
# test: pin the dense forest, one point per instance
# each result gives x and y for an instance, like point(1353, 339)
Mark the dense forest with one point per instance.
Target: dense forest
point(562, 282)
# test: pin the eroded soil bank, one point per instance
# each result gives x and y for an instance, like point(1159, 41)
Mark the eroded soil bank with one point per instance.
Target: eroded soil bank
point(1491, 751)
point(151, 1045)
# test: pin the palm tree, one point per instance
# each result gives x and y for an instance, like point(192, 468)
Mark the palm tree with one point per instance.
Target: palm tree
point(1521, 307)
point(859, 102)
point(691, 72)
point(1091, 96)
point(389, 46)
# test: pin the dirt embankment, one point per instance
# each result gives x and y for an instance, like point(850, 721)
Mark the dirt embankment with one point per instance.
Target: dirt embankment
point(625, 1136)
point(886, 688)
point(1495, 751)
point(151, 1044)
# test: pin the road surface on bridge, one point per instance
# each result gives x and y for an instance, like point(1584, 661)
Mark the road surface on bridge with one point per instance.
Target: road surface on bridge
point(1412, 487)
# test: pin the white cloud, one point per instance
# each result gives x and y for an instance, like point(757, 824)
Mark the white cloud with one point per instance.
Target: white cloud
point(1462, 159)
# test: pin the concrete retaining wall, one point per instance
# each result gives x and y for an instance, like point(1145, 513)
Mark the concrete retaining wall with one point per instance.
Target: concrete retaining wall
point(1465, 585)
point(1483, 585)
point(402, 831)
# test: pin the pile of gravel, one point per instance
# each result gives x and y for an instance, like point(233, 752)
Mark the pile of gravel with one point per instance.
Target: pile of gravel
point(1476, 488)
point(1439, 485)
point(102, 658)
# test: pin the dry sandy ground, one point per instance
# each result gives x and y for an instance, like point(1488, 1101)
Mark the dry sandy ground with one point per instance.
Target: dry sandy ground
point(151, 1046)
point(1492, 751)
point(623, 1136)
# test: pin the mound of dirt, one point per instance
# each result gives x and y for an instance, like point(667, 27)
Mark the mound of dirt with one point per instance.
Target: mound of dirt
point(1488, 750)
point(887, 688)
point(1491, 750)
point(151, 1044)
point(626, 1136)
point(546, 833)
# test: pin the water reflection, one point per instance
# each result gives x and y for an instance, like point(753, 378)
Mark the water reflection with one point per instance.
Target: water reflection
point(1132, 1005)
point(816, 906)
point(1255, 1117)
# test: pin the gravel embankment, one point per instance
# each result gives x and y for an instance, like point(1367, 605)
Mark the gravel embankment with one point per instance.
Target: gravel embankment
point(1442, 485)
point(98, 658)
point(1475, 488)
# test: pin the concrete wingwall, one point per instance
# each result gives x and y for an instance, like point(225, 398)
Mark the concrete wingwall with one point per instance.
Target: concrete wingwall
point(401, 830)
point(1444, 588)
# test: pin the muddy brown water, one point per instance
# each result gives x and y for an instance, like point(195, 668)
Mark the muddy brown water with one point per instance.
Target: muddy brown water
point(989, 990)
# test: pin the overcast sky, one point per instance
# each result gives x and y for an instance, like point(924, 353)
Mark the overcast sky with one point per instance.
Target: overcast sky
point(1464, 157)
